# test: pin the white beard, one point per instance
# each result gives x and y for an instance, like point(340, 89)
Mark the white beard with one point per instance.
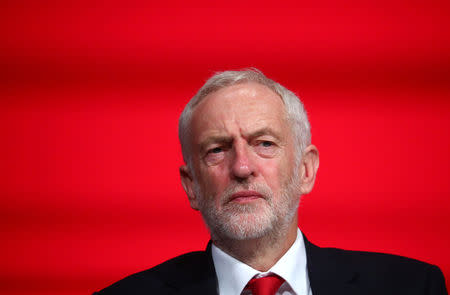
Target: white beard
point(252, 220)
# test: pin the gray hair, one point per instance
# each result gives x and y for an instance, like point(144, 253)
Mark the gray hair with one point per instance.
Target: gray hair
point(296, 114)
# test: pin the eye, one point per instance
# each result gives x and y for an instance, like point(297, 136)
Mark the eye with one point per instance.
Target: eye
point(266, 148)
point(215, 150)
point(214, 155)
point(266, 143)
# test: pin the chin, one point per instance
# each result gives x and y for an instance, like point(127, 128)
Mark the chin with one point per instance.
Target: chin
point(245, 223)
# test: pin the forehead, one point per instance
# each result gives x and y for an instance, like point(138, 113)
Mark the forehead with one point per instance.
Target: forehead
point(246, 106)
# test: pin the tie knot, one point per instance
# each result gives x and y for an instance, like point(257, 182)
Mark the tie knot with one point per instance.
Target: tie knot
point(267, 285)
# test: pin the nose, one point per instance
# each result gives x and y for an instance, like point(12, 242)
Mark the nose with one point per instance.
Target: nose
point(242, 166)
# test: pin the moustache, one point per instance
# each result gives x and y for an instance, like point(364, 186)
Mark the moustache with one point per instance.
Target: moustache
point(260, 188)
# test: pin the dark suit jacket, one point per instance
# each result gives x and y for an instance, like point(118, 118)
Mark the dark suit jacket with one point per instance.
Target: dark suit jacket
point(331, 271)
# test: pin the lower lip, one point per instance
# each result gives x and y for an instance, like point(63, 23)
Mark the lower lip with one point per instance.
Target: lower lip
point(245, 199)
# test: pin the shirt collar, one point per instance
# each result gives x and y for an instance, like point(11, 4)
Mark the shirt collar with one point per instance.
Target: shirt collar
point(233, 275)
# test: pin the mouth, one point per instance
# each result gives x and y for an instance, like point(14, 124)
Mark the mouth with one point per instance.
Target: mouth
point(245, 197)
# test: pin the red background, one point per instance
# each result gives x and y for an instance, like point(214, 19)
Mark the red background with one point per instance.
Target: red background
point(90, 97)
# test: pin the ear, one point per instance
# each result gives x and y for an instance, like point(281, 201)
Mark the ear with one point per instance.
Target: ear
point(309, 167)
point(187, 182)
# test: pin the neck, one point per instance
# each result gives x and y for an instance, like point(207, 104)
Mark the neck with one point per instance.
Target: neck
point(260, 253)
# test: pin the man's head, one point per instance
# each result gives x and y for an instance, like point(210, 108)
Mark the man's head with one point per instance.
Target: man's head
point(246, 142)
point(296, 114)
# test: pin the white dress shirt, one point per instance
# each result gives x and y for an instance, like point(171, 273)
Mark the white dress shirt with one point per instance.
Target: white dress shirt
point(233, 275)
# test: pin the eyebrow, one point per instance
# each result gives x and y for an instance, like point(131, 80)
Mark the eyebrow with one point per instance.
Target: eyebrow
point(249, 136)
point(214, 139)
point(261, 132)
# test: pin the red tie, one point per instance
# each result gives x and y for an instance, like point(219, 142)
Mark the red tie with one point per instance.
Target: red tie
point(266, 285)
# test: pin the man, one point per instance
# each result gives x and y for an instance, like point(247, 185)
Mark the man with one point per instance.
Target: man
point(247, 147)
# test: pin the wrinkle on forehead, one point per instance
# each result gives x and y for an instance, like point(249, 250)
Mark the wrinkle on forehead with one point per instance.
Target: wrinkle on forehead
point(237, 110)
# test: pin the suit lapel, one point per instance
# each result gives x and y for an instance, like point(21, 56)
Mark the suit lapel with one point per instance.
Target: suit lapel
point(328, 273)
point(200, 278)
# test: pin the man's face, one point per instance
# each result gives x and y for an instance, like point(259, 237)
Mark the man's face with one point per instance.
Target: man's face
point(245, 175)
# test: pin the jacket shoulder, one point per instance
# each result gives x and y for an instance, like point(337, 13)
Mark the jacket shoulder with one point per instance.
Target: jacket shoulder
point(380, 261)
point(398, 273)
point(163, 278)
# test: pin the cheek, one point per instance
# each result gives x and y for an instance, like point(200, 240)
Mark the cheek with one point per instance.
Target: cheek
point(214, 180)
point(278, 173)
point(272, 174)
